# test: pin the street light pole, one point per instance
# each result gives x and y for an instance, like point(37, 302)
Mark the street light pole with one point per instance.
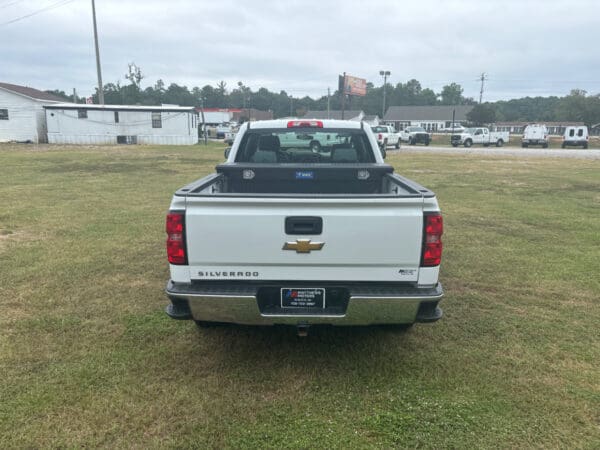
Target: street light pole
point(384, 74)
point(100, 87)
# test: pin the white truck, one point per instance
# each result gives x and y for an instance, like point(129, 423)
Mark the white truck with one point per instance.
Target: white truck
point(386, 136)
point(535, 134)
point(286, 235)
point(480, 135)
point(415, 135)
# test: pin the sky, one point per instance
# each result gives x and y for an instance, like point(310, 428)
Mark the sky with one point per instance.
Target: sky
point(525, 48)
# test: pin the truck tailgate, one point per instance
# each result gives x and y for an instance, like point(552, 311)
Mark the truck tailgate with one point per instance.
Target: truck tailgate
point(364, 239)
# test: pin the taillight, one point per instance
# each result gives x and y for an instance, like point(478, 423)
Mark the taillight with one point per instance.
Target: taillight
point(176, 238)
point(433, 228)
point(380, 136)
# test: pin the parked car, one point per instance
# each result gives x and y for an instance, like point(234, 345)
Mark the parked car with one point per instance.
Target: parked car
point(535, 134)
point(575, 137)
point(480, 135)
point(284, 235)
point(415, 135)
point(386, 136)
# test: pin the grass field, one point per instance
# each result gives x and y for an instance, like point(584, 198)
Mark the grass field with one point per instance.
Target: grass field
point(89, 359)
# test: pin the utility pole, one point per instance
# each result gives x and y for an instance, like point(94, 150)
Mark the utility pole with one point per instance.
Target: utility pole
point(482, 79)
point(291, 106)
point(384, 74)
point(203, 121)
point(100, 86)
point(328, 109)
point(343, 92)
point(74, 96)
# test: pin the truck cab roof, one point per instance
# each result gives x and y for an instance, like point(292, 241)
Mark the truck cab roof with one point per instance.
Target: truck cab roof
point(304, 122)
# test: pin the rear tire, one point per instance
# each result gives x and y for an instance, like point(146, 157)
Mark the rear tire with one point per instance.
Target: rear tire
point(585, 146)
point(545, 145)
point(397, 146)
point(315, 146)
point(524, 145)
point(454, 145)
point(563, 145)
point(412, 141)
point(499, 143)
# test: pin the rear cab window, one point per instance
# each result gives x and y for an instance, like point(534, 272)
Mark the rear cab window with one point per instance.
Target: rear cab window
point(323, 146)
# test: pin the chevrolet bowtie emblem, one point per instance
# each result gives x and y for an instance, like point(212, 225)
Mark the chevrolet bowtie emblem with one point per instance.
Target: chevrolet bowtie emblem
point(303, 246)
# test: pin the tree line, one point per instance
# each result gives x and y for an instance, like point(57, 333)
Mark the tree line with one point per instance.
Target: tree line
point(576, 106)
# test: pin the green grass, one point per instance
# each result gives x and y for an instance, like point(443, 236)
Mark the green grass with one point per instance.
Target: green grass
point(88, 358)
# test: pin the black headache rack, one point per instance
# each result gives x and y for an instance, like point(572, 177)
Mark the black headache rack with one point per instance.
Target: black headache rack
point(305, 178)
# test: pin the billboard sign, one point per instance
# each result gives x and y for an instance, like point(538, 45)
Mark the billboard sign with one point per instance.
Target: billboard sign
point(355, 86)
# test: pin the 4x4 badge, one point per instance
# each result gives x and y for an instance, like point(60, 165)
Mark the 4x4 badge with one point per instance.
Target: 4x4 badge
point(303, 246)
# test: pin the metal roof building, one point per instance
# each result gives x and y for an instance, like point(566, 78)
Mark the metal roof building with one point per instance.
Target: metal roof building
point(22, 116)
point(432, 118)
point(70, 123)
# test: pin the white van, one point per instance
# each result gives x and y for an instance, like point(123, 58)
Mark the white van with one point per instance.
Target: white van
point(576, 136)
point(535, 134)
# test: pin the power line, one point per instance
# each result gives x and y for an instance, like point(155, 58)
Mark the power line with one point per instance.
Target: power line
point(47, 8)
point(6, 5)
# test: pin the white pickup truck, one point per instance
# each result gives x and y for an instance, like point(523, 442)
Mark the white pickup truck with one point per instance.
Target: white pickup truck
point(386, 136)
point(286, 235)
point(483, 136)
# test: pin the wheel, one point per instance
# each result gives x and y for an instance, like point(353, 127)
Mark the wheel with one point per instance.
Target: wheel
point(524, 145)
point(468, 143)
point(454, 145)
point(315, 146)
point(585, 146)
point(545, 145)
point(397, 146)
point(427, 142)
point(412, 141)
point(563, 145)
point(499, 143)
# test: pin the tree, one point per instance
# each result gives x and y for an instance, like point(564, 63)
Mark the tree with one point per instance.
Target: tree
point(482, 114)
point(134, 74)
point(451, 94)
point(61, 94)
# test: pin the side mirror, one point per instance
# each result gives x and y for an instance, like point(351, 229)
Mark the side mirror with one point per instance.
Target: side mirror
point(227, 152)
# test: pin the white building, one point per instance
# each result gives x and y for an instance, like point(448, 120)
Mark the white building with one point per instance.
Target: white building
point(70, 123)
point(22, 116)
point(432, 118)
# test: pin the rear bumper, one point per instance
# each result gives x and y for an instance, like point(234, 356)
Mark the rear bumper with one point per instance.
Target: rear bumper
point(362, 304)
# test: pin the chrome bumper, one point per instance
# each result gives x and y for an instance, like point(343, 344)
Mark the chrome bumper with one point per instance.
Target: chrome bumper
point(366, 305)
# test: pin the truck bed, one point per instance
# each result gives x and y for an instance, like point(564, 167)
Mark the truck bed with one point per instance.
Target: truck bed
point(299, 180)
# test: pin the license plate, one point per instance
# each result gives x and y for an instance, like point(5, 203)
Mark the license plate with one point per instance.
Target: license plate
point(302, 298)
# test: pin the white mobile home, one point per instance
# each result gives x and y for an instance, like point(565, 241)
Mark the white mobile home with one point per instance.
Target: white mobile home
point(22, 116)
point(121, 124)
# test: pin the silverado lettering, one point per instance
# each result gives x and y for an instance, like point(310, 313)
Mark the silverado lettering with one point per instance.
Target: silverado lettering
point(228, 274)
